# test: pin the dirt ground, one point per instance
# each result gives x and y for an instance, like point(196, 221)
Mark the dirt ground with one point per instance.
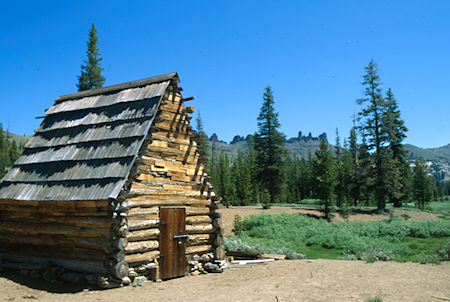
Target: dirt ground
point(279, 281)
point(295, 280)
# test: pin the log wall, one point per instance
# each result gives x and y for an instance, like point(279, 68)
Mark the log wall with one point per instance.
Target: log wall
point(169, 172)
point(42, 230)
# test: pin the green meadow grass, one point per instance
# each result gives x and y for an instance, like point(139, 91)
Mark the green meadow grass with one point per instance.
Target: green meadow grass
point(300, 236)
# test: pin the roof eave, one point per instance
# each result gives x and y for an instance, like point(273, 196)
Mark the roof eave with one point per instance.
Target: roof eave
point(118, 87)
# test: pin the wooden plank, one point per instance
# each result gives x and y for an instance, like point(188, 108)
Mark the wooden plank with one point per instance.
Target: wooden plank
point(142, 246)
point(243, 262)
point(134, 225)
point(23, 228)
point(70, 264)
point(274, 256)
point(143, 235)
point(244, 255)
point(200, 228)
point(199, 239)
point(172, 250)
point(198, 249)
point(54, 241)
point(57, 220)
point(147, 257)
point(201, 219)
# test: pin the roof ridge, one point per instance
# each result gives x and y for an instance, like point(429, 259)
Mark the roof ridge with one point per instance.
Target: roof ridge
point(117, 87)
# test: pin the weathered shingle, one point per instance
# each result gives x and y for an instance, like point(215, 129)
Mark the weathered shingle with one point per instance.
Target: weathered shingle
point(85, 147)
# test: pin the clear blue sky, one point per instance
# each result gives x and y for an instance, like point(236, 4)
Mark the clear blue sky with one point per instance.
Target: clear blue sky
point(312, 54)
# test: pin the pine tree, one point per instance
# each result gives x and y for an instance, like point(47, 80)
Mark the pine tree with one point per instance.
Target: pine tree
point(202, 142)
point(371, 126)
point(305, 178)
point(422, 183)
point(353, 153)
point(242, 180)
point(91, 76)
point(251, 163)
point(269, 147)
point(223, 182)
point(397, 165)
point(4, 154)
point(324, 177)
point(365, 177)
point(343, 173)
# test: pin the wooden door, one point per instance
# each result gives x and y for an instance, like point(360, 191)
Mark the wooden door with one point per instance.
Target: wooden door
point(172, 242)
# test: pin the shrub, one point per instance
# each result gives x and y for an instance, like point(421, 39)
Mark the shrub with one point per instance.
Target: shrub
point(424, 258)
point(265, 199)
point(237, 225)
point(377, 298)
point(373, 253)
point(443, 251)
point(406, 216)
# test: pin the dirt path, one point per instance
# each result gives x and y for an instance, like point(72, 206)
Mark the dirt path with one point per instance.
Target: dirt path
point(229, 213)
point(296, 280)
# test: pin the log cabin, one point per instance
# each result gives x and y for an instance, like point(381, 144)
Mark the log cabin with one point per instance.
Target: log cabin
point(111, 183)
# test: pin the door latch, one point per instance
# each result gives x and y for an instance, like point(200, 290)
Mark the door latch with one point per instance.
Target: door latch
point(179, 237)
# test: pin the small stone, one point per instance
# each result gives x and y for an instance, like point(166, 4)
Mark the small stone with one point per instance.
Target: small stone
point(139, 281)
point(195, 273)
point(221, 263)
point(212, 268)
point(150, 266)
point(132, 274)
point(208, 257)
point(141, 269)
point(126, 281)
point(195, 257)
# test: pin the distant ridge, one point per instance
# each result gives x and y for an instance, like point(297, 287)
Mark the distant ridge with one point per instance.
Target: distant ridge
point(303, 145)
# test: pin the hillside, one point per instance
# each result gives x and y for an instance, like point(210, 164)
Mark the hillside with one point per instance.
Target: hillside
point(438, 159)
point(20, 139)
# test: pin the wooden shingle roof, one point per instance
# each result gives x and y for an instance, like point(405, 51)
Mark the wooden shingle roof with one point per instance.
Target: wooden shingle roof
point(86, 145)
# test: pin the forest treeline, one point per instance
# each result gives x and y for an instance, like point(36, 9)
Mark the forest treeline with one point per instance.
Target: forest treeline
point(9, 151)
point(368, 167)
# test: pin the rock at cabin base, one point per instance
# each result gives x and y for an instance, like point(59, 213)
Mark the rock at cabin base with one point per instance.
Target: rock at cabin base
point(126, 281)
point(208, 257)
point(139, 281)
point(212, 268)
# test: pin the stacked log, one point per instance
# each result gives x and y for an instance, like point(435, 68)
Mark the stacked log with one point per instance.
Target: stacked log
point(169, 172)
point(41, 230)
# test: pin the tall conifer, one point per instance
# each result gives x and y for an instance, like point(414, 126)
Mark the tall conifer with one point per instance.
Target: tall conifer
point(324, 177)
point(371, 126)
point(269, 147)
point(91, 76)
point(423, 189)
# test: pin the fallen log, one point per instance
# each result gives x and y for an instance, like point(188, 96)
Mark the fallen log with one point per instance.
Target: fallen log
point(244, 255)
